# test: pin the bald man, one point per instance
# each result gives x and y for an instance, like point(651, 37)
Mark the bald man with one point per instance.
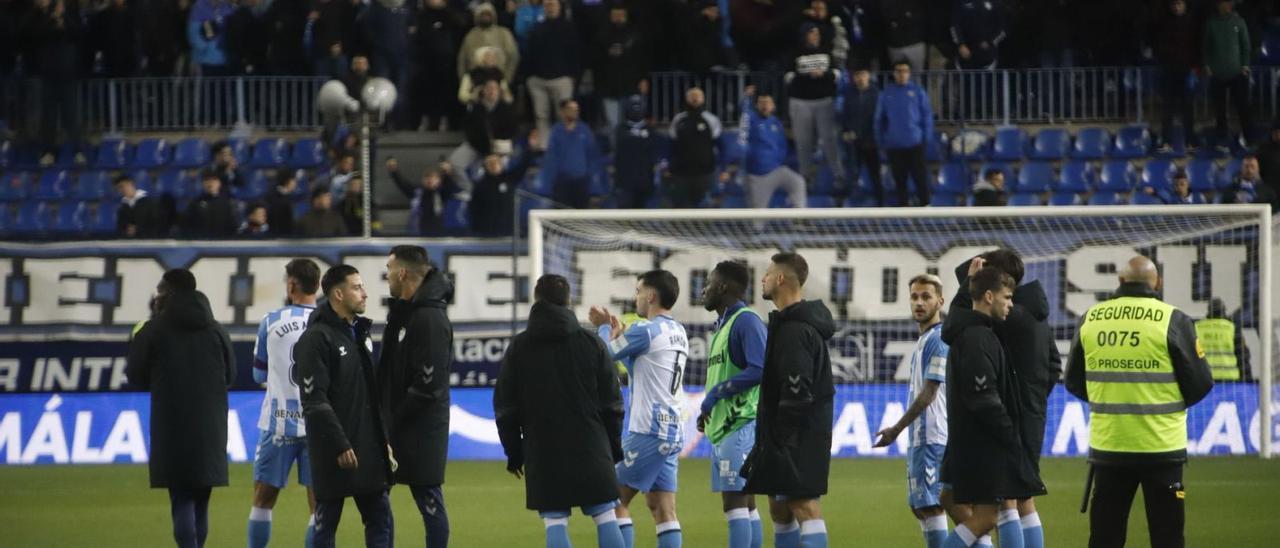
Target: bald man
point(1137, 362)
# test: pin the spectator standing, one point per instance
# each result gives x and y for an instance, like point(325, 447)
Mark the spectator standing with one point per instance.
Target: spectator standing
point(489, 127)
point(859, 129)
point(56, 34)
point(255, 222)
point(206, 32)
point(812, 90)
point(352, 206)
point(336, 179)
point(1269, 156)
point(385, 27)
point(1225, 47)
point(1175, 48)
point(439, 33)
point(572, 153)
point(528, 14)
point(321, 221)
point(623, 60)
point(704, 48)
point(977, 29)
point(184, 358)
point(139, 215)
point(488, 33)
point(161, 34)
point(248, 38)
point(835, 39)
point(553, 64)
point(211, 214)
point(694, 133)
point(765, 153)
point(1054, 32)
point(286, 51)
point(1248, 187)
point(865, 28)
point(328, 36)
point(426, 200)
point(635, 156)
point(990, 190)
point(903, 126)
point(488, 67)
point(280, 203)
point(113, 39)
point(904, 31)
point(493, 199)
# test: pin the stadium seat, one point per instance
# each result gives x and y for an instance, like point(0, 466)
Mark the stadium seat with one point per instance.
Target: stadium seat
point(864, 184)
point(779, 200)
point(308, 153)
point(946, 199)
point(1076, 176)
point(1228, 173)
point(861, 200)
point(1269, 53)
point(733, 202)
point(1035, 176)
point(269, 153)
point(1209, 143)
point(191, 153)
point(29, 221)
point(66, 156)
point(1116, 176)
point(1051, 144)
point(969, 144)
point(537, 183)
point(241, 149)
point(825, 183)
point(26, 156)
point(1132, 142)
point(7, 214)
point(1091, 144)
point(1025, 199)
point(180, 184)
point(1010, 144)
point(113, 154)
point(730, 150)
point(953, 178)
point(1142, 198)
point(1202, 174)
point(1064, 199)
point(93, 186)
point(1106, 198)
point(142, 180)
point(52, 185)
point(100, 218)
point(1177, 144)
point(6, 155)
point(254, 188)
point(821, 201)
point(455, 215)
point(151, 154)
point(68, 218)
point(14, 187)
point(1158, 174)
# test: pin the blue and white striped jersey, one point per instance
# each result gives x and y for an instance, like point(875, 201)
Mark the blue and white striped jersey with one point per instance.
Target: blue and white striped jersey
point(929, 362)
point(273, 364)
point(655, 353)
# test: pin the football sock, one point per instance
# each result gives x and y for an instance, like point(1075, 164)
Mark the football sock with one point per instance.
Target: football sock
point(607, 531)
point(739, 527)
point(628, 532)
point(935, 531)
point(757, 530)
point(984, 542)
point(310, 540)
point(786, 535)
point(669, 535)
point(259, 527)
point(960, 537)
point(1032, 531)
point(1010, 528)
point(557, 532)
point(813, 534)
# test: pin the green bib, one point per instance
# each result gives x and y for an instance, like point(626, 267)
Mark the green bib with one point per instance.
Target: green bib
point(729, 414)
point(1218, 339)
point(1135, 405)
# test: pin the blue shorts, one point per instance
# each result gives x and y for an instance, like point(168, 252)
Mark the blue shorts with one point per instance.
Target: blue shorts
point(648, 463)
point(924, 463)
point(276, 455)
point(727, 458)
point(592, 511)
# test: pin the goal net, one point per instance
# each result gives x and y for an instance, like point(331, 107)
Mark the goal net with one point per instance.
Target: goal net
point(860, 262)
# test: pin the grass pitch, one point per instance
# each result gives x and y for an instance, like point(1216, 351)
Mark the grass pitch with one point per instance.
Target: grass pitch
point(1229, 503)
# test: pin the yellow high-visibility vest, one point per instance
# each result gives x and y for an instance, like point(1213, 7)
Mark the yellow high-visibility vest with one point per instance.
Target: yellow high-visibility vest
point(1218, 338)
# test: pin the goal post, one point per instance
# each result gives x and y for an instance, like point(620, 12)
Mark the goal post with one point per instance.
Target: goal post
point(861, 259)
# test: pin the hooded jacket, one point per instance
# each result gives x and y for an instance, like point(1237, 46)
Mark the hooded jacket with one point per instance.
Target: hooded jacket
point(417, 349)
point(985, 458)
point(185, 359)
point(763, 139)
point(903, 117)
point(559, 412)
point(792, 455)
point(333, 365)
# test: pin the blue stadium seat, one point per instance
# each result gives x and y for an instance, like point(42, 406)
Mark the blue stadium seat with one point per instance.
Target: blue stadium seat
point(969, 144)
point(779, 199)
point(301, 208)
point(1064, 199)
point(1051, 144)
point(537, 183)
point(821, 201)
point(1076, 176)
point(69, 218)
point(269, 153)
point(29, 220)
point(1132, 142)
point(1025, 199)
point(256, 187)
point(241, 149)
point(1106, 198)
point(1117, 176)
point(93, 186)
point(455, 215)
point(100, 218)
point(191, 153)
point(26, 156)
point(1010, 144)
point(1091, 144)
point(1177, 144)
point(953, 178)
point(142, 180)
point(861, 200)
point(14, 187)
point(307, 153)
point(1228, 173)
point(52, 185)
point(825, 183)
point(7, 214)
point(1158, 174)
point(1142, 198)
point(1202, 174)
point(730, 150)
point(6, 155)
point(863, 184)
point(946, 199)
point(1035, 176)
point(1269, 53)
point(66, 156)
point(113, 154)
point(181, 184)
point(152, 153)
point(733, 202)
point(1209, 143)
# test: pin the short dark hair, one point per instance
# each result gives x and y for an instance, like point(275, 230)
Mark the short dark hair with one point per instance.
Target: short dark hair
point(318, 192)
point(335, 276)
point(665, 283)
point(793, 262)
point(553, 289)
point(565, 103)
point(902, 61)
point(989, 278)
point(1008, 261)
point(178, 279)
point(929, 279)
point(305, 272)
point(254, 205)
point(121, 178)
point(1249, 155)
point(991, 173)
point(210, 174)
point(413, 257)
point(284, 176)
point(1179, 174)
point(219, 146)
point(734, 272)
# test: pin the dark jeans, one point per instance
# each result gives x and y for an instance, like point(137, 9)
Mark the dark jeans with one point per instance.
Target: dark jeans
point(1177, 102)
point(574, 192)
point(435, 519)
point(59, 108)
point(867, 156)
point(909, 162)
point(1238, 88)
point(189, 508)
point(634, 197)
point(1162, 494)
point(375, 513)
point(687, 191)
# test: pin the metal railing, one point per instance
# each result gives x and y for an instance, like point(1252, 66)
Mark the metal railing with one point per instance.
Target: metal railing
point(185, 104)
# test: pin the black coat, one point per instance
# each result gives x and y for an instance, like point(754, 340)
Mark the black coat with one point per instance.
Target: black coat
point(985, 458)
point(184, 357)
point(340, 404)
point(146, 215)
point(622, 60)
point(211, 217)
point(559, 412)
point(280, 212)
point(483, 126)
point(792, 455)
point(417, 348)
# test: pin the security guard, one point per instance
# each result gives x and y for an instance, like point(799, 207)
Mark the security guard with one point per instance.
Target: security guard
point(1138, 364)
point(1223, 344)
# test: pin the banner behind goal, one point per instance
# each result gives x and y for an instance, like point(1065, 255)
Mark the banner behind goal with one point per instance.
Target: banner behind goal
point(860, 262)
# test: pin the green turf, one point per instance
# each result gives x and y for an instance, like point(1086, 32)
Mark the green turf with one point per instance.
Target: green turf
point(1228, 504)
